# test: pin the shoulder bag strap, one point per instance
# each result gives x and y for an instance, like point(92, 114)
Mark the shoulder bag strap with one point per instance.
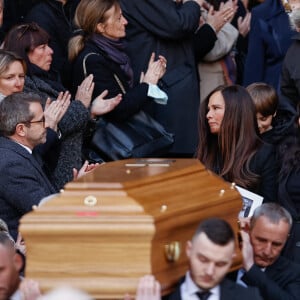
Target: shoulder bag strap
point(84, 64)
point(115, 75)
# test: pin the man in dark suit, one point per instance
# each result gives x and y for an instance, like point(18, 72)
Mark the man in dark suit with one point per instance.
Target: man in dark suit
point(210, 254)
point(23, 183)
point(276, 277)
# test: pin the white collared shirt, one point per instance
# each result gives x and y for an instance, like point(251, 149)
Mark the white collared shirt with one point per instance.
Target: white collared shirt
point(16, 296)
point(188, 290)
point(27, 148)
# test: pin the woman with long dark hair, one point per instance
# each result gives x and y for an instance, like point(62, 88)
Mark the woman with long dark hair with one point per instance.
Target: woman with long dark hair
point(229, 143)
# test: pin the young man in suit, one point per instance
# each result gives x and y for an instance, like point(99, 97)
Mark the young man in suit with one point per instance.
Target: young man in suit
point(276, 277)
point(23, 182)
point(210, 254)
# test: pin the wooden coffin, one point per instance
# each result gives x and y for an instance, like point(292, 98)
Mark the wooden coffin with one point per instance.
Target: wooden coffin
point(126, 219)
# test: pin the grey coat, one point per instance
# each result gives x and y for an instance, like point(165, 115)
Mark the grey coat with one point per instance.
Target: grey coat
point(67, 155)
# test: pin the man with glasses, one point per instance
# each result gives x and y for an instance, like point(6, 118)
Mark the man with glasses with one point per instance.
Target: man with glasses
point(23, 183)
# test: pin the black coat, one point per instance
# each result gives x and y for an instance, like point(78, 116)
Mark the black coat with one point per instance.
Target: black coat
point(269, 39)
point(167, 28)
point(103, 69)
point(290, 77)
point(15, 12)
point(264, 163)
point(289, 198)
point(279, 281)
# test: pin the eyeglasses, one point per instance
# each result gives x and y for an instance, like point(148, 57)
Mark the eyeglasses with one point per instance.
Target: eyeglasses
point(40, 121)
point(25, 27)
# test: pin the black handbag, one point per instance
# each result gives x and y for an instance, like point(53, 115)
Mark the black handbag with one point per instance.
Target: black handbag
point(139, 136)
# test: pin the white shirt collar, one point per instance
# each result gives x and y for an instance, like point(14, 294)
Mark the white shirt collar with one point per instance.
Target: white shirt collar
point(190, 288)
point(16, 295)
point(25, 147)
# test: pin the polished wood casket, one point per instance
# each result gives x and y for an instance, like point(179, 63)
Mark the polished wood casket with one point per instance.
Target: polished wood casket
point(124, 220)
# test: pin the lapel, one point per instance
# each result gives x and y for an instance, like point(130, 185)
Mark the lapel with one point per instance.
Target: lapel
point(227, 290)
point(19, 150)
point(176, 295)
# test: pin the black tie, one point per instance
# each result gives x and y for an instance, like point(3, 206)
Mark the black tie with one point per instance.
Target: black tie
point(204, 295)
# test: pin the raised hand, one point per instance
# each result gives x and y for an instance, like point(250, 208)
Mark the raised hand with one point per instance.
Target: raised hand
point(85, 91)
point(247, 250)
point(101, 106)
point(29, 289)
point(85, 169)
point(156, 70)
point(148, 289)
point(55, 110)
point(218, 18)
point(244, 24)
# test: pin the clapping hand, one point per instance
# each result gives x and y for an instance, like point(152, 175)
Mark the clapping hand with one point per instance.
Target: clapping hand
point(55, 110)
point(101, 106)
point(156, 70)
point(244, 24)
point(85, 169)
point(85, 91)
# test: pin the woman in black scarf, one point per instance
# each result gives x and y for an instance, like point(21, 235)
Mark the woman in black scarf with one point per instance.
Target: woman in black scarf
point(99, 49)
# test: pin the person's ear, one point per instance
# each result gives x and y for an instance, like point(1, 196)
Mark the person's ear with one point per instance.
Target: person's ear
point(18, 261)
point(20, 129)
point(100, 28)
point(188, 249)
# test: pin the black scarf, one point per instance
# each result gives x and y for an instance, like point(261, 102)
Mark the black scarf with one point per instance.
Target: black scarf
point(115, 51)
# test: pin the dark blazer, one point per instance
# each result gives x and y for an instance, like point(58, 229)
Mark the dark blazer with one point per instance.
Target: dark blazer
point(103, 69)
point(229, 291)
point(167, 28)
point(22, 183)
point(280, 281)
point(269, 39)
